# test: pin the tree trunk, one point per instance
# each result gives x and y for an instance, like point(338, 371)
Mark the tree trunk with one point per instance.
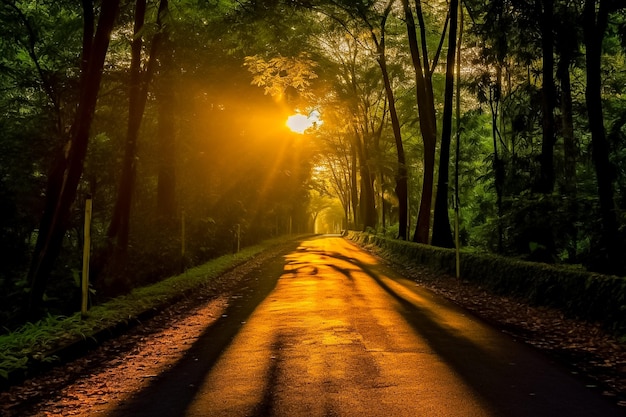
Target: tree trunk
point(595, 21)
point(569, 141)
point(138, 94)
point(401, 174)
point(402, 191)
point(545, 183)
point(354, 188)
point(166, 188)
point(498, 163)
point(63, 181)
point(442, 235)
point(570, 148)
point(119, 226)
point(367, 198)
point(428, 125)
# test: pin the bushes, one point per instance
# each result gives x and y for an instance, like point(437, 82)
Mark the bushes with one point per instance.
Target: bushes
point(579, 294)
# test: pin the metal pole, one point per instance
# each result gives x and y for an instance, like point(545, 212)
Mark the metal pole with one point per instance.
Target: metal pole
point(86, 253)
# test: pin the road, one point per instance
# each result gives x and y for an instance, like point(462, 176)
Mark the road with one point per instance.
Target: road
point(329, 331)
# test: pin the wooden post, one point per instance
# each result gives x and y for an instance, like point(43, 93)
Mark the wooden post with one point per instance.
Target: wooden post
point(182, 242)
point(86, 254)
point(238, 237)
point(456, 240)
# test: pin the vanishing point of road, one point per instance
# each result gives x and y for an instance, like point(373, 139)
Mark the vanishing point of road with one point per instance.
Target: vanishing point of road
point(328, 331)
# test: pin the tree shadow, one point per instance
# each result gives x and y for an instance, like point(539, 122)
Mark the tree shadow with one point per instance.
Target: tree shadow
point(171, 392)
point(509, 378)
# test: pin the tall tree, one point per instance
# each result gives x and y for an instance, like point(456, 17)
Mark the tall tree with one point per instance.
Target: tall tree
point(402, 184)
point(442, 235)
point(595, 21)
point(545, 9)
point(119, 228)
point(366, 12)
point(166, 96)
point(567, 44)
point(367, 197)
point(424, 69)
point(64, 179)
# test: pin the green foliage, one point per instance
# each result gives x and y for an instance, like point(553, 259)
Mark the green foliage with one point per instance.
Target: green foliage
point(280, 74)
point(39, 55)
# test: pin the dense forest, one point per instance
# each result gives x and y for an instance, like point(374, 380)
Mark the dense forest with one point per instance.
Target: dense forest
point(494, 125)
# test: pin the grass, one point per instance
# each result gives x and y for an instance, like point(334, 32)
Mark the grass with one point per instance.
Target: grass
point(35, 344)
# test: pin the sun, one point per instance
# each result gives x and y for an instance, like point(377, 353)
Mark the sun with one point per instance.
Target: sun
point(298, 123)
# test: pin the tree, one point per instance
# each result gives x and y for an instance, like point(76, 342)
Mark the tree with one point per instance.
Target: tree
point(402, 191)
point(567, 45)
point(166, 97)
point(595, 22)
point(545, 9)
point(442, 236)
point(424, 69)
point(64, 179)
point(37, 46)
point(119, 228)
point(366, 13)
point(357, 88)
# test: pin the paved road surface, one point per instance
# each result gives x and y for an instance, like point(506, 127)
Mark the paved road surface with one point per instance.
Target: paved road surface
point(327, 331)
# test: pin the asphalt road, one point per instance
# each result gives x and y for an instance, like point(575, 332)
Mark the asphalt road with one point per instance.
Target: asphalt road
point(328, 331)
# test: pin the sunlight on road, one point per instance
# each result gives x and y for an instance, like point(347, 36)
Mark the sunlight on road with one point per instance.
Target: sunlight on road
point(328, 339)
point(330, 331)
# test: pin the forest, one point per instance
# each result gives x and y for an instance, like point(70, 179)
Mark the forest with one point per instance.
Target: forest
point(198, 126)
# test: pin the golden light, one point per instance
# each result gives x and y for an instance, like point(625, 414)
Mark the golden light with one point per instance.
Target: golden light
point(299, 122)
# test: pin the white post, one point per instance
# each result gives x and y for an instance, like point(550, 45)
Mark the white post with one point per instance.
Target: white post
point(86, 253)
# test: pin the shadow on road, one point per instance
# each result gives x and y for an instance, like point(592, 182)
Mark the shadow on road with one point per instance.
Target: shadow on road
point(170, 393)
point(509, 379)
point(530, 386)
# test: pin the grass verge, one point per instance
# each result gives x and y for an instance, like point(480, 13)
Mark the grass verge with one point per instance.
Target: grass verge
point(38, 345)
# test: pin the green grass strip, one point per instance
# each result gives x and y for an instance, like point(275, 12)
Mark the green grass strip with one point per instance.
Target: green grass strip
point(37, 342)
